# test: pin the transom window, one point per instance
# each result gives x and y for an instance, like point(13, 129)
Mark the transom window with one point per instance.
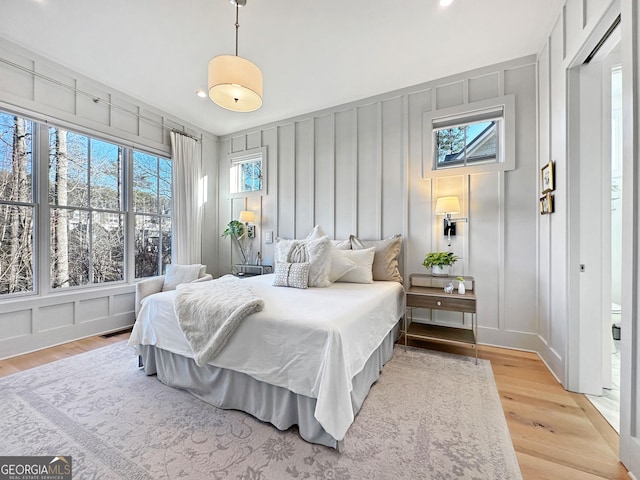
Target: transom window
point(470, 139)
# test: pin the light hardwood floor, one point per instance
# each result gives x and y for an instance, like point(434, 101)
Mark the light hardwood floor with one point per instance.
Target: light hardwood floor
point(556, 434)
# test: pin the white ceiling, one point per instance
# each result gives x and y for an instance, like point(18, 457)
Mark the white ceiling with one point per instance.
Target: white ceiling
point(313, 54)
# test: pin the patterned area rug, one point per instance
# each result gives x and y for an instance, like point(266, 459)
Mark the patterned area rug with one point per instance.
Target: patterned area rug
point(430, 416)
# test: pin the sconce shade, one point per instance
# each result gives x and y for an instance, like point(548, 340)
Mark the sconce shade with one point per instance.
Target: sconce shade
point(247, 216)
point(446, 205)
point(235, 83)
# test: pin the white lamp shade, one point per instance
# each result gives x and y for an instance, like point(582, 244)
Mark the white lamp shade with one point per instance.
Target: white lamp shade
point(247, 216)
point(446, 205)
point(235, 83)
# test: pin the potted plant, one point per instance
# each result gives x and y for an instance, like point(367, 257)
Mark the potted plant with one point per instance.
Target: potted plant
point(439, 262)
point(236, 230)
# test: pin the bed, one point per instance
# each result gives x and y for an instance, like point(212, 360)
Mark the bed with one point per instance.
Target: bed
point(308, 358)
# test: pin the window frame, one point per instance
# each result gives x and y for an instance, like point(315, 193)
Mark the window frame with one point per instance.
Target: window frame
point(465, 114)
point(247, 156)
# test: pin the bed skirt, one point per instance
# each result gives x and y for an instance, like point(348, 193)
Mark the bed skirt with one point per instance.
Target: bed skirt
point(282, 408)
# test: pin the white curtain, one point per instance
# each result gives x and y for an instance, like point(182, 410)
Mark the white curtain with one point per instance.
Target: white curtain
point(186, 245)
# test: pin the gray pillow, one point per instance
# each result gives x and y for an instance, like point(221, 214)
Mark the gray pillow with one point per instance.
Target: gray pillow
point(385, 261)
point(294, 275)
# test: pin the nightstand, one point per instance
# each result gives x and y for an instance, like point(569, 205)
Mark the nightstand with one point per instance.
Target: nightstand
point(246, 270)
point(426, 291)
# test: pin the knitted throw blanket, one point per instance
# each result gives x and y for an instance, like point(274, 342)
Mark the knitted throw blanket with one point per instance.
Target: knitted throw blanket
point(210, 312)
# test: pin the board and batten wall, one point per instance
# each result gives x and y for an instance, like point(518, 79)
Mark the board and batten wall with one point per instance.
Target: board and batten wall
point(576, 23)
point(363, 169)
point(34, 321)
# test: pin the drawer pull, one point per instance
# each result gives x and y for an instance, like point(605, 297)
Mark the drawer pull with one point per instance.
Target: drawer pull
point(439, 303)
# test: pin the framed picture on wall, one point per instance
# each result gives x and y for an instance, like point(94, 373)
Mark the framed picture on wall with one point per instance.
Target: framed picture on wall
point(547, 180)
point(546, 204)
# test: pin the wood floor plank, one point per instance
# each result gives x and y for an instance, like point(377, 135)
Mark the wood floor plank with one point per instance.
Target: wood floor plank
point(557, 435)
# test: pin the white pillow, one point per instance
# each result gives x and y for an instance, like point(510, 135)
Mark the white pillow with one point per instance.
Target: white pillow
point(319, 252)
point(363, 260)
point(283, 245)
point(177, 274)
point(339, 264)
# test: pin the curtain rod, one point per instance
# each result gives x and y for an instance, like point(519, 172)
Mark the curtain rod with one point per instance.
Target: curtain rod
point(95, 98)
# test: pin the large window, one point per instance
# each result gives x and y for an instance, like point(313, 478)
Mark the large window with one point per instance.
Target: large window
point(89, 206)
point(17, 206)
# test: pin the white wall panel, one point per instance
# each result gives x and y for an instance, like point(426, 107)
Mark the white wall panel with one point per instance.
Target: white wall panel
point(484, 87)
point(324, 176)
point(393, 166)
point(51, 317)
point(369, 172)
point(285, 164)
point(15, 324)
point(557, 221)
point(450, 95)
point(573, 11)
point(96, 112)
point(52, 95)
point(346, 174)
point(122, 303)
point(485, 247)
point(93, 308)
point(122, 118)
point(304, 178)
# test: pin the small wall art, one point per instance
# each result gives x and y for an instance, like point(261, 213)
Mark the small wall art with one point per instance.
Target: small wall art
point(547, 178)
point(546, 204)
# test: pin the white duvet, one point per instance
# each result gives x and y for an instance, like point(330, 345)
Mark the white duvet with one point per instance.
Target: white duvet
point(312, 341)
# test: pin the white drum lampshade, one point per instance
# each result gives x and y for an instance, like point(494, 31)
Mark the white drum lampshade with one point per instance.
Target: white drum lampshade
point(235, 83)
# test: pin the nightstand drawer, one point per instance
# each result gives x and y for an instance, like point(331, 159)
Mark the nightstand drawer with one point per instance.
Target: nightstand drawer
point(453, 302)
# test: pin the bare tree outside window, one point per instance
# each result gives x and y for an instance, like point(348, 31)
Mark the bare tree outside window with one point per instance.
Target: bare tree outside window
point(16, 205)
point(86, 215)
point(153, 209)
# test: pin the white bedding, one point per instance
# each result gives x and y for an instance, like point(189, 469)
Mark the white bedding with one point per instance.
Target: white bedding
point(312, 341)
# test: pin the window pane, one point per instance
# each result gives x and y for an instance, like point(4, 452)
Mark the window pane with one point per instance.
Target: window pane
point(108, 247)
point(147, 237)
point(16, 249)
point(165, 186)
point(166, 241)
point(69, 247)
point(106, 176)
point(145, 183)
point(450, 146)
point(482, 142)
point(68, 168)
point(15, 158)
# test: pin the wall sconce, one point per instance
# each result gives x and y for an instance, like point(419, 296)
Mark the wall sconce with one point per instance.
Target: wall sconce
point(448, 206)
point(247, 217)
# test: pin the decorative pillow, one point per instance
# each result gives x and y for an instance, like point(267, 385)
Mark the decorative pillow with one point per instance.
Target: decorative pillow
point(294, 275)
point(177, 274)
point(283, 245)
point(339, 264)
point(385, 263)
point(319, 252)
point(363, 260)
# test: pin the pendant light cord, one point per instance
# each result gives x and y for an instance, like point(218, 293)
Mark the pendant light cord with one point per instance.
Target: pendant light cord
point(237, 27)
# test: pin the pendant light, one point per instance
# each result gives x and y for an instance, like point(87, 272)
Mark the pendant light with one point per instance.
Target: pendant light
point(235, 83)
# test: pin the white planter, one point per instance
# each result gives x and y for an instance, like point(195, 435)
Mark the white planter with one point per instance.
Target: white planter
point(440, 271)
